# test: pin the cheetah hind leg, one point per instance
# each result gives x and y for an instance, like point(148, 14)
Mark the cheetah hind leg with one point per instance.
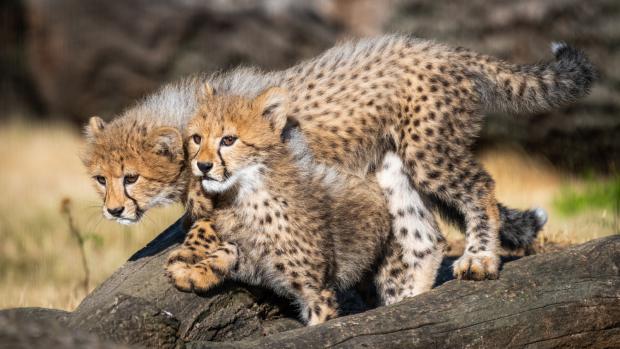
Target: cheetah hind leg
point(470, 189)
point(415, 250)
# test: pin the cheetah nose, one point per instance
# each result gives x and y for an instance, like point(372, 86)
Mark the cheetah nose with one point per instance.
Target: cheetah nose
point(205, 167)
point(116, 212)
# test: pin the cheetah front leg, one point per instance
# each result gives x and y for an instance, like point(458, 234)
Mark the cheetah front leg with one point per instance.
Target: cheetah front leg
point(206, 273)
point(415, 250)
point(192, 259)
point(481, 257)
point(201, 239)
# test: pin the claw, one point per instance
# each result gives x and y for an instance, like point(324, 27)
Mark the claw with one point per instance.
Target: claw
point(477, 267)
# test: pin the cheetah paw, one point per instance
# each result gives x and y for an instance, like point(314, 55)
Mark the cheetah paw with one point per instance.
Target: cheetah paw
point(478, 266)
point(192, 278)
point(179, 275)
point(183, 255)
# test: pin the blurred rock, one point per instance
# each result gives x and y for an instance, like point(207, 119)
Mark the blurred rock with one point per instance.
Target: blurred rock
point(18, 94)
point(91, 57)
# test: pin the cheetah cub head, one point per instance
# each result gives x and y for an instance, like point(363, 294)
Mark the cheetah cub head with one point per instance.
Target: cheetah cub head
point(134, 167)
point(230, 137)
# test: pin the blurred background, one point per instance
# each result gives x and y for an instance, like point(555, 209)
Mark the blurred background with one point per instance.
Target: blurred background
point(62, 61)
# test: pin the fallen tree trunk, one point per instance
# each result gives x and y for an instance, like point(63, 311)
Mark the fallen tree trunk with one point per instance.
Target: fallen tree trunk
point(565, 299)
point(31, 328)
point(559, 300)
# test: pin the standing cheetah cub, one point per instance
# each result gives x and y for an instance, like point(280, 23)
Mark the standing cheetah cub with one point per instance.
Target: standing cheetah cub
point(284, 221)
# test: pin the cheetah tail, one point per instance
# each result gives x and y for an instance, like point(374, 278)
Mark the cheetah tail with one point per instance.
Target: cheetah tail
point(533, 88)
point(520, 228)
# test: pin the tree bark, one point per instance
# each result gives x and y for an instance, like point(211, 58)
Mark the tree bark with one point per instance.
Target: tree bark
point(32, 328)
point(569, 299)
point(564, 299)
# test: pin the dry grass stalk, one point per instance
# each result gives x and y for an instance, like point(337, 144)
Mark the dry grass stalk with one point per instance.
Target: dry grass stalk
point(65, 209)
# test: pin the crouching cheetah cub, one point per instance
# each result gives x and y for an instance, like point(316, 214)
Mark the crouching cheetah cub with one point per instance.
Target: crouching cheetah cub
point(284, 221)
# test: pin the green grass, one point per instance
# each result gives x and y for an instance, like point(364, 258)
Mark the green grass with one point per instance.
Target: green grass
point(594, 194)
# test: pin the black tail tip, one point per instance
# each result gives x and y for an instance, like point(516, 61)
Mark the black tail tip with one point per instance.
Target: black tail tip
point(571, 58)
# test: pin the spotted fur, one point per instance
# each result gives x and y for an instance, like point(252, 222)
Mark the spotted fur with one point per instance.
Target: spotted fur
point(297, 227)
point(423, 100)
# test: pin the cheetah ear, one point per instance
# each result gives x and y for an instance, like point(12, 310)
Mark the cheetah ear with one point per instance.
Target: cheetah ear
point(205, 91)
point(94, 128)
point(166, 141)
point(273, 105)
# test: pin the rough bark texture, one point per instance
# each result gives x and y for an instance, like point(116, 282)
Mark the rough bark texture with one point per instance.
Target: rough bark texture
point(564, 299)
point(569, 299)
point(32, 328)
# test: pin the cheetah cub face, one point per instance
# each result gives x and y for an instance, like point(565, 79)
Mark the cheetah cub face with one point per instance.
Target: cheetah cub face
point(231, 137)
point(133, 169)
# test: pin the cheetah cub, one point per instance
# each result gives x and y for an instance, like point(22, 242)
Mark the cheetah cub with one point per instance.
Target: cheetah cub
point(284, 221)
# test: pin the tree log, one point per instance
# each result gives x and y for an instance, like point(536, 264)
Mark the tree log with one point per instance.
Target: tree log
point(31, 328)
point(564, 299)
point(569, 299)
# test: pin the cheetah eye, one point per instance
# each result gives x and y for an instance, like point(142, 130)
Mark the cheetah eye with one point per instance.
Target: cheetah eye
point(196, 138)
point(228, 140)
point(130, 179)
point(100, 179)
